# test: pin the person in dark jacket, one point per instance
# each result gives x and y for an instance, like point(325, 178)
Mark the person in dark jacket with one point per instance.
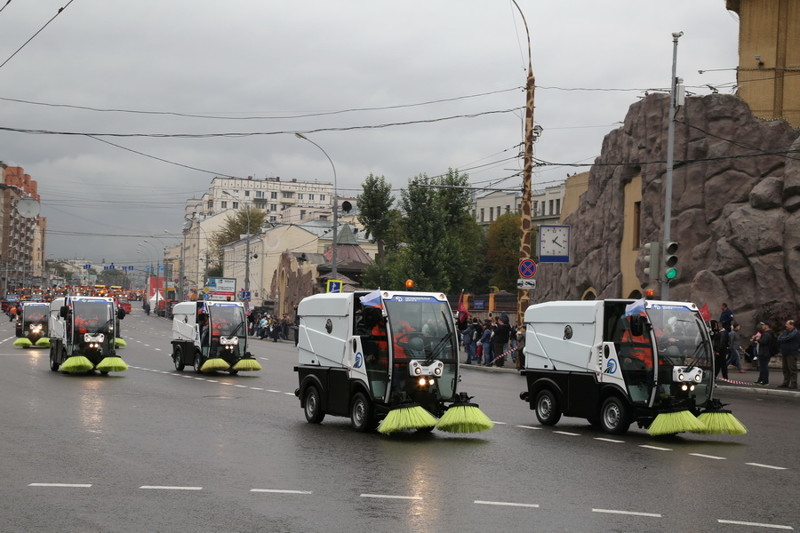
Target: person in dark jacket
point(726, 318)
point(789, 342)
point(720, 341)
point(502, 333)
point(767, 347)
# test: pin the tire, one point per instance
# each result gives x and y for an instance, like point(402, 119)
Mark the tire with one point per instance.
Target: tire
point(177, 358)
point(615, 417)
point(53, 364)
point(548, 412)
point(313, 405)
point(361, 416)
point(198, 362)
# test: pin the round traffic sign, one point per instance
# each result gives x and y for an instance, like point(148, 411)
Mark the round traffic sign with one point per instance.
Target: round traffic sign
point(527, 268)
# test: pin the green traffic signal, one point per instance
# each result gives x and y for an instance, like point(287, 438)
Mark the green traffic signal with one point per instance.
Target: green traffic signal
point(670, 259)
point(671, 273)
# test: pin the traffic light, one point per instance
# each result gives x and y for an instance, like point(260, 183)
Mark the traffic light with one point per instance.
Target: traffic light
point(652, 261)
point(670, 260)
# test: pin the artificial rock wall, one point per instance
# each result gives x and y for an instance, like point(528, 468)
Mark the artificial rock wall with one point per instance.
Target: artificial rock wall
point(735, 209)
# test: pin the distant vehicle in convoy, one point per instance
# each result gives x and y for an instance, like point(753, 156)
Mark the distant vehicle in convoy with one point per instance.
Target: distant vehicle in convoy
point(210, 335)
point(124, 303)
point(83, 332)
point(32, 325)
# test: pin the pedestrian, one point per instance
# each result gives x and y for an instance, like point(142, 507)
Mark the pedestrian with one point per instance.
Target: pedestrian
point(468, 338)
point(789, 342)
point(502, 333)
point(261, 330)
point(486, 342)
point(726, 317)
point(719, 340)
point(767, 347)
point(520, 361)
point(734, 338)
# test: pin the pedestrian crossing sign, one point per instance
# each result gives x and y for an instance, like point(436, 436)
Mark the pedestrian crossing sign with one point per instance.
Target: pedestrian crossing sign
point(334, 285)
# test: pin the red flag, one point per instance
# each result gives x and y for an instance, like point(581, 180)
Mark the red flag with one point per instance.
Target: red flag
point(704, 313)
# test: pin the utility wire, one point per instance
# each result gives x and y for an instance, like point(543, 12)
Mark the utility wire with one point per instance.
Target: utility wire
point(35, 34)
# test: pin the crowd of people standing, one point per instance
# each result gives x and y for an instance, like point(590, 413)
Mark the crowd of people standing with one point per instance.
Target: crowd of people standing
point(491, 341)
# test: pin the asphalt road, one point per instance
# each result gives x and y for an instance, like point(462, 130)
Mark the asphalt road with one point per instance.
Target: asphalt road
point(152, 449)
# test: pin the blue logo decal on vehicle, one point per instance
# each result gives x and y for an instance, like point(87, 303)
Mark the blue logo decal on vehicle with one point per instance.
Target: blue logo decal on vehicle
point(358, 361)
point(611, 367)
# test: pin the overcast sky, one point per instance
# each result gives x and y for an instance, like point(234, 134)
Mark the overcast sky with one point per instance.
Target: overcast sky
point(393, 88)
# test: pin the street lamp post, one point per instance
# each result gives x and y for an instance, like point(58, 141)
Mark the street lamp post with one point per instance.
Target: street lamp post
point(334, 272)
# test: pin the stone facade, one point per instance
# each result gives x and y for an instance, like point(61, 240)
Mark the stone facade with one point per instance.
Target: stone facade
point(736, 209)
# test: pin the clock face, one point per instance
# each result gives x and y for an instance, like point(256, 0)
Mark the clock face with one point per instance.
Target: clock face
point(554, 243)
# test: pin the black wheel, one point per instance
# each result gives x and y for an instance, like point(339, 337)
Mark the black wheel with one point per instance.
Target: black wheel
point(53, 363)
point(198, 362)
point(177, 358)
point(313, 405)
point(361, 413)
point(547, 409)
point(615, 416)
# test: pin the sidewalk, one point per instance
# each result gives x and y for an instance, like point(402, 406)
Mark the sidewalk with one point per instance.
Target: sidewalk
point(739, 382)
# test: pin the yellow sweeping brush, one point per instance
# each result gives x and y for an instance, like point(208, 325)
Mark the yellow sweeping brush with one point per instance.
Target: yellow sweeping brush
point(44, 342)
point(24, 342)
point(406, 416)
point(247, 364)
point(464, 417)
point(675, 422)
point(112, 364)
point(215, 363)
point(76, 363)
point(119, 343)
point(718, 420)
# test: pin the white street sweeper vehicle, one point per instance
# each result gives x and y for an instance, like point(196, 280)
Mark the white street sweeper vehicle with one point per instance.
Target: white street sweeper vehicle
point(31, 327)
point(211, 335)
point(615, 362)
point(83, 333)
point(383, 356)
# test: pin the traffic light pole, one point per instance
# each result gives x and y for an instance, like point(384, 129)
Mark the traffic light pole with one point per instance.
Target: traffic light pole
point(673, 104)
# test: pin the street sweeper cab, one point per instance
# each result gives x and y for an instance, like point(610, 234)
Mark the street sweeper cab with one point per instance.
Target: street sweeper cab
point(365, 355)
point(83, 333)
point(32, 327)
point(615, 362)
point(210, 335)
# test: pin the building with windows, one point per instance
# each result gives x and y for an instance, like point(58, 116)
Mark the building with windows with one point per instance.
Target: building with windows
point(546, 205)
point(22, 238)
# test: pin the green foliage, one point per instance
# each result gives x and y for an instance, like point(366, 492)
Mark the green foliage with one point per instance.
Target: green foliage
point(112, 277)
point(374, 207)
point(248, 220)
point(502, 251)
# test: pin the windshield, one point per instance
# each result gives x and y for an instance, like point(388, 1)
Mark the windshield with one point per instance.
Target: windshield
point(35, 313)
point(680, 336)
point(423, 326)
point(227, 320)
point(93, 317)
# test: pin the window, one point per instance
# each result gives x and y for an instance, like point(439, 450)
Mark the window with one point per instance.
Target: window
point(246, 194)
point(223, 204)
point(321, 197)
point(211, 204)
point(311, 197)
point(302, 214)
point(273, 219)
point(259, 194)
point(299, 196)
point(273, 195)
point(273, 207)
point(558, 206)
point(235, 205)
point(508, 208)
point(551, 207)
point(288, 194)
point(535, 207)
point(483, 216)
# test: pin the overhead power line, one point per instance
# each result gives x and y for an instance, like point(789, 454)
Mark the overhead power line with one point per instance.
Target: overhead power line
point(35, 34)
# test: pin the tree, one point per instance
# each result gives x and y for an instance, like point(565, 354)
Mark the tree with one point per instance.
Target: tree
point(502, 251)
point(374, 206)
point(246, 221)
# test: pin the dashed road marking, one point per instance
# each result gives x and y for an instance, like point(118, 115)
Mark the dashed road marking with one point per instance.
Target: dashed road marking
point(658, 448)
point(754, 524)
point(282, 491)
point(631, 513)
point(507, 504)
point(568, 433)
point(717, 457)
point(528, 427)
point(62, 485)
point(772, 467)
point(168, 487)
point(605, 439)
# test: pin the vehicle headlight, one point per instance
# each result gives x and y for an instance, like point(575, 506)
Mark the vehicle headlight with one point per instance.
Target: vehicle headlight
point(681, 377)
point(684, 387)
point(422, 382)
point(698, 377)
point(418, 371)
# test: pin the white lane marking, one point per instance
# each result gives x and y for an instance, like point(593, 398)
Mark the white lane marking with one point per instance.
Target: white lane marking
point(256, 388)
point(241, 386)
point(224, 383)
point(655, 448)
point(212, 381)
point(272, 390)
point(391, 496)
point(200, 379)
point(499, 423)
point(767, 466)
point(168, 487)
point(289, 393)
point(708, 456)
point(507, 504)
point(631, 513)
point(567, 433)
point(528, 427)
point(754, 524)
point(604, 439)
point(62, 485)
point(264, 358)
point(282, 491)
